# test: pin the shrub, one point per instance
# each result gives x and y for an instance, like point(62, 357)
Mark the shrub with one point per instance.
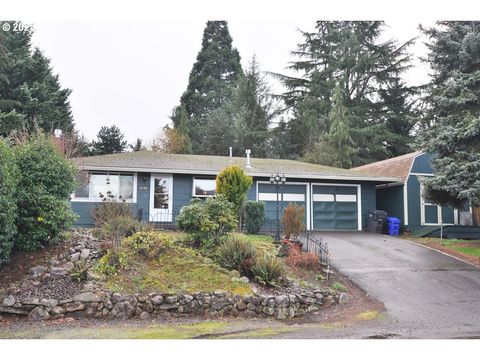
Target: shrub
point(254, 216)
point(108, 210)
point(43, 193)
point(292, 220)
point(234, 183)
point(148, 244)
point(117, 228)
point(111, 262)
point(267, 269)
point(337, 286)
point(207, 221)
point(79, 271)
point(236, 254)
point(8, 179)
point(298, 259)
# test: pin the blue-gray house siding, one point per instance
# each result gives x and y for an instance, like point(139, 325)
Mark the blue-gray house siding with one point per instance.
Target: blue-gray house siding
point(182, 188)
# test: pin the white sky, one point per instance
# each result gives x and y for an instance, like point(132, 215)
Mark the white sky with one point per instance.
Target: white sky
point(132, 74)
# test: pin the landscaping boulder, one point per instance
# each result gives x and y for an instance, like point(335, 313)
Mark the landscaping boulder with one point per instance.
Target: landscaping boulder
point(87, 297)
point(9, 301)
point(38, 271)
point(38, 314)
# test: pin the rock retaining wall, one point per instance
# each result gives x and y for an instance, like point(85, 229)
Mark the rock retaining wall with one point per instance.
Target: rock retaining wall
point(219, 303)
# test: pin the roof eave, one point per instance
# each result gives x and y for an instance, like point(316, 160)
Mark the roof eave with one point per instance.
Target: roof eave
point(257, 174)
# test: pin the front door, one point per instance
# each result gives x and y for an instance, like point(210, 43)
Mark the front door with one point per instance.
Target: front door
point(161, 198)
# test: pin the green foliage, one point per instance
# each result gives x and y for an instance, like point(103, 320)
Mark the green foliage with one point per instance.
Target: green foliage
point(452, 123)
point(79, 272)
point(292, 220)
point(43, 193)
point(9, 177)
point(234, 183)
point(180, 123)
point(254, 216)
point(138, 146)
point(211, 82)
point(110, 140)
point(267, 269)
point(30, 93)
point(113, 261)
point(352, 54)
point(236, 254)
point(338, 287)
point(207, 221)
point(148, 244)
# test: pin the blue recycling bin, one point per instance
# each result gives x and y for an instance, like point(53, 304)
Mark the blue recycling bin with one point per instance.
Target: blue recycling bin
point(393, 226)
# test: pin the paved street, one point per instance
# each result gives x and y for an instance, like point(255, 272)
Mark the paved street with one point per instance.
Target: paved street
point(426, 293)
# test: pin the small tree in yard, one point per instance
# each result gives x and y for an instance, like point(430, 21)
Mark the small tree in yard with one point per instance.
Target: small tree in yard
point(8, 207)
point(293, 220)
point(254, 216)
point(43, 192)
point(234, 183)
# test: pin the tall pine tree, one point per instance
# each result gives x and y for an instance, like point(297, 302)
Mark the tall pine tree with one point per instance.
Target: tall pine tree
point(110, 140)
point(453, 118)
point(349, 53)
point(213, 78)
point(32, 95)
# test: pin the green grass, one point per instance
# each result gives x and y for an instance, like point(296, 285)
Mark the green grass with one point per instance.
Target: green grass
point(468, 247)
point(337, 286)
point(261, 242)
point(177, 270)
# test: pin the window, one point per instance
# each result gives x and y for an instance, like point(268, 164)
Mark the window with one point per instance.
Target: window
point(203, 187)
point(101, 185)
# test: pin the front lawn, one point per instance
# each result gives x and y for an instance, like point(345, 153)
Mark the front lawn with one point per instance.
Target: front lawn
point(468, 250)
point(261, 242)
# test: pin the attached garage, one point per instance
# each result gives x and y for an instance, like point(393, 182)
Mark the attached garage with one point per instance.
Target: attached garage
point(289, 193)
point(336, 207)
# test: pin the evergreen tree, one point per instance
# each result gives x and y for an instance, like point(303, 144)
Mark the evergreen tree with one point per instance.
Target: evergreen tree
point(279, 144)
point(220, 129)
point(349, 53)
point(336, 146)
point(453, 116)
point(137, 146)
point(32, 95)
point(254, 109)
point(212, 79)
point(110, 140)
point(180, 123)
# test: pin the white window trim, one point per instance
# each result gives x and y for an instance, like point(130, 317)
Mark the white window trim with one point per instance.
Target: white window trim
point(359, 200)
point(307, 196)
point(423, 203)
point(99, 200)
point(193, 187)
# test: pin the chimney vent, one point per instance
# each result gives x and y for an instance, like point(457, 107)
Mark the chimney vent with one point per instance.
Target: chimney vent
point(248, 152)
point(230, 151)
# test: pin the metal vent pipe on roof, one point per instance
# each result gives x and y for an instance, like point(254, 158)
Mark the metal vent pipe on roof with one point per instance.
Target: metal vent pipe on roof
point(248, 152)
point(230, 151)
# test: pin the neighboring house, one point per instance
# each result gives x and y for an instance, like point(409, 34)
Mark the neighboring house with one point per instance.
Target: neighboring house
point(159, 185)
point(404, 200)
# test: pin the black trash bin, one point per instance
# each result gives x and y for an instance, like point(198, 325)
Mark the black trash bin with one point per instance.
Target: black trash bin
point(376, 220)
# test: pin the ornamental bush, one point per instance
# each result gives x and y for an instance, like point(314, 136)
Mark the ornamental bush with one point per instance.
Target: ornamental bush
point(234, 183)
point(254, 216)
point(148, 244)
point(207, 221)
point(292, 220)
point(236, 254)
point(8, 180)
point(267, 269)
point(43, 192)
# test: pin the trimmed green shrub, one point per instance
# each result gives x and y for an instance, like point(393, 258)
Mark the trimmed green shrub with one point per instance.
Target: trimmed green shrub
point(267, 269)
point(254, 216)
point(207, 221)
point(148, 244)
point(43, 193)
point(236, 254)
point(8, 180)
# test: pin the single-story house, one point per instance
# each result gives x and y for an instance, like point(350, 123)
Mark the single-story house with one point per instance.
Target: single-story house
point(404, 199)
point(159, 185)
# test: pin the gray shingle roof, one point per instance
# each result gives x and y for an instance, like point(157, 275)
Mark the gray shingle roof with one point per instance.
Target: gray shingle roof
point(150, 161)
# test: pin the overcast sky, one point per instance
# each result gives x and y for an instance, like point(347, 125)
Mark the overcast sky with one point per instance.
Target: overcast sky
point(132, 74)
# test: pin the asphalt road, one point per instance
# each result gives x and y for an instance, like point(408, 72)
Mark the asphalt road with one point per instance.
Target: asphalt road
point(426, 294)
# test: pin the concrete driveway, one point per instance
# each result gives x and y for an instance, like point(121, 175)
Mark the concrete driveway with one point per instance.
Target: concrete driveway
point(426, 293)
